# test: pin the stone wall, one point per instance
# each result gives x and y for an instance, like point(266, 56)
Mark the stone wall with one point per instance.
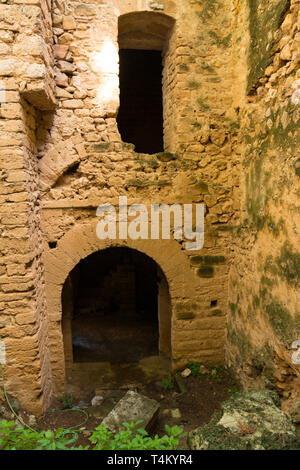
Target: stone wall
point(26, 79)
point(264, 299)
point(231, 96)
point(82, 162)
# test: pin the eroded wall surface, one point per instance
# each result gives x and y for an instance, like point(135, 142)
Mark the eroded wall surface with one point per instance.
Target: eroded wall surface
point(231, 116)
point(264, 295)
point(27, 85)
point(83, 161)
point(73, 160)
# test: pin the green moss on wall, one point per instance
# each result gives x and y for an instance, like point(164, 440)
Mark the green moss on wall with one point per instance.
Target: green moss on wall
point(233, 308)
point(205, 271)
point(193, 85)
point(259, 190)
point(256, 193)
point(208, 259)
point(184, 68)
point(202, 105)
point(284, 134)
point(138, 183)
point(262, 360)
point(297, 167)
point(149, 163)
point(283, 323)
point(208, 9)
point(219, 41)
point(202, 186)
point(241, 340)
point(101, 147)
point(216, 312)
point(143, 183)
point(264, 20)
point(288, 264)
point(185, 307)
point(186, 316)
point(166, 156)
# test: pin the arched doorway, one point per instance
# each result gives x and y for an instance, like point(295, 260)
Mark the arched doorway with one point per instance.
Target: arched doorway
point(116, 309)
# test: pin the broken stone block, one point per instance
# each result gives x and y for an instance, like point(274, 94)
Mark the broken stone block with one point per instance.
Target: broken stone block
point(249, 420)
point(133, 407)
point(186, 373)
point(176, 413)
point(97, 400)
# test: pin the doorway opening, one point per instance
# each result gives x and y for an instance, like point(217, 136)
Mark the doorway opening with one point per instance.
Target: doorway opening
point(146, 55)
point(140, 118)
point(116, 309)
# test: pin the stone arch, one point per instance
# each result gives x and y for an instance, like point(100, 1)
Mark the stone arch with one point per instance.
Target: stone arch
point(144, 30)
point(58, 160)
point(131, 6)
point(80, 242)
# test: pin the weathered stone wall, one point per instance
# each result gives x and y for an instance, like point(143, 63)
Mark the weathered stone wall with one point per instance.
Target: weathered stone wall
point(231, 111)
point(264, 295)
point(25, 72)
point(82, 162)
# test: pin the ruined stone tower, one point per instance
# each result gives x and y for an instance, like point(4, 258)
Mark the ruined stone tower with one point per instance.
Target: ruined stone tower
point(211, 117)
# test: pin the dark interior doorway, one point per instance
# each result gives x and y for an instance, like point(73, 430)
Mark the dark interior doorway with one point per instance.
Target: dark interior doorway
point(140, 118)
point(113, 307)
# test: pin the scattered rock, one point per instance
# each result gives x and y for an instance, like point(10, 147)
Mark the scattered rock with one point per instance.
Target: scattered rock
point(97, 412)
point(186, 373)
point(247, 421)
point(32, 421)
point(97, 400)
point(133, 407)
point(82, 404)
point(4, 413)
point(156, 5)
point(203, 370)
point(176, 413)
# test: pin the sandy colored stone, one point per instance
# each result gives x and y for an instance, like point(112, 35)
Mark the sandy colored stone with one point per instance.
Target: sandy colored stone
point(68, 23)
point(62, 154)
point(132, 407)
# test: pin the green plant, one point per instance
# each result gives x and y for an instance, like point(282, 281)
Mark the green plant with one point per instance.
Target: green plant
point(132, 438)
point(129, 437)
point(14, 437)
point(167, 383)
point(61, 439)
point(66, 400)
point(216, 373)
point(194, 368)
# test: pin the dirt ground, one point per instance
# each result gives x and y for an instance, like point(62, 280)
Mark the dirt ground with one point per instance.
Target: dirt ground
point(189, 404)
